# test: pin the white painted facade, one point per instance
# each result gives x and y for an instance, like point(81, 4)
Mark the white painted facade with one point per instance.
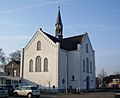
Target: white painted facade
point(74, 61)
point(62, 64)
point(91, 56)
point(49, 50)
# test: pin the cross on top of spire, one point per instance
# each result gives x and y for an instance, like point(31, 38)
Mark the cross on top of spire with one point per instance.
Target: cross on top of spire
point(58, 25)
point(59, 21)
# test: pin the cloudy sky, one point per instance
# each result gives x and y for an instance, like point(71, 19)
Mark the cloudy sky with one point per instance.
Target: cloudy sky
point(20, 19)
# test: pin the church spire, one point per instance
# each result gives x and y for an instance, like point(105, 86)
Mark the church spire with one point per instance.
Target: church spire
point(59, 26)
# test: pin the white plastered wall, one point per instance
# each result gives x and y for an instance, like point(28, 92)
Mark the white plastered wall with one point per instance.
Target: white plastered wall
point(48, 50)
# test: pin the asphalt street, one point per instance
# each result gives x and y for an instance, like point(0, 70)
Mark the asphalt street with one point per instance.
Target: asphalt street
point(85, 95)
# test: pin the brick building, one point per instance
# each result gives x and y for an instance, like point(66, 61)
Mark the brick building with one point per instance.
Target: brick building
point(12, 71)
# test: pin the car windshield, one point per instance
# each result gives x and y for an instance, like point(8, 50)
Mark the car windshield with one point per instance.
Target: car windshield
point(2, 88)
point(34, 88)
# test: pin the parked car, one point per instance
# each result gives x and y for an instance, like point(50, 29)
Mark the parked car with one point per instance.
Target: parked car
point(10, 89)
point(117, 93)
point(3, 91)
point(28, 91)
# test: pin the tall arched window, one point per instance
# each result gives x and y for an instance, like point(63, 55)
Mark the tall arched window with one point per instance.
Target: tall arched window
point(87, 65)
point(38, 64)
point(83, 65)
point(31, 65)
point(90, 67)
point(38, 45)
point(45, 64)
point(87, 48)
point(73, 78)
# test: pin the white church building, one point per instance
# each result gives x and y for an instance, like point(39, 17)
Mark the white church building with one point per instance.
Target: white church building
point(59, 63)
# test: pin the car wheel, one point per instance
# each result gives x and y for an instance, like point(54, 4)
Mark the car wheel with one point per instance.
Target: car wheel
point(29, 95)
point(15, 94)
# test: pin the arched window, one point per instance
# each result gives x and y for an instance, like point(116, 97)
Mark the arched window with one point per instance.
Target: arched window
point(73, 78)
point(87, 48)
point(38, 64)
point(87, 65)
point(45, 65)
point(83, 65)
point(90, 67)
point(31, 65)
point(63, 81)
point(38, 45)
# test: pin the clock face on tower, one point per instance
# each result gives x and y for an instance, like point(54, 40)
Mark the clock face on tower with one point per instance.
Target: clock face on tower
point(57, 25)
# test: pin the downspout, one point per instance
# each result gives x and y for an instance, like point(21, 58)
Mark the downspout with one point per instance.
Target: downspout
point(67, 75)
point(57, 63)
point(94, 66)
point(22, 64)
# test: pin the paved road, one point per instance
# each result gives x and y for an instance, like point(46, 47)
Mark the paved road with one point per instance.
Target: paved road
point(85, 95)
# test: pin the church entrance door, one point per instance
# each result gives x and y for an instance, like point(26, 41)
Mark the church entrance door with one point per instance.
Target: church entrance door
point(87, 83)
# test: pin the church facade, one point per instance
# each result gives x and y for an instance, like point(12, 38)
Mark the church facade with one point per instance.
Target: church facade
point(59, 63)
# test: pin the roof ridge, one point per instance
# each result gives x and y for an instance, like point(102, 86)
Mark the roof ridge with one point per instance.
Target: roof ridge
point(53, 38)
point(74, 36)
point(49, 34)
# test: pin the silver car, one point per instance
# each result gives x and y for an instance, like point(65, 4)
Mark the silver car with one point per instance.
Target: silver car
point(3, 91)
point(28, 91)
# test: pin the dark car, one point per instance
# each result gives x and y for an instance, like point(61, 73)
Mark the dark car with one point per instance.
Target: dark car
point(117, 93)
point(10, 89)
point(3, 91)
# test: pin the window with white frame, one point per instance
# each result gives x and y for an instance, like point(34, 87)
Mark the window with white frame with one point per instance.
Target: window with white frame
point(15, 73)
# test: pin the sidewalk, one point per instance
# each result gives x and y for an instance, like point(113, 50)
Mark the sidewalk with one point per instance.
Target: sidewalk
point(85, 95)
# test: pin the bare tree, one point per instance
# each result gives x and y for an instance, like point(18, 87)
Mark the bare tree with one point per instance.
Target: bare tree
point(2, 59)
point(15, 55)
point(117, 72)
point(101, 75)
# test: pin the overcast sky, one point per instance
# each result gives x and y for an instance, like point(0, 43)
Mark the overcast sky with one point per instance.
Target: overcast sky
point(20, 19)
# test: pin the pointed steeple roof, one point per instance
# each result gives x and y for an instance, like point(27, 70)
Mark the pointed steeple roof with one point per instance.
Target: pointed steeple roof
point(59, 21)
